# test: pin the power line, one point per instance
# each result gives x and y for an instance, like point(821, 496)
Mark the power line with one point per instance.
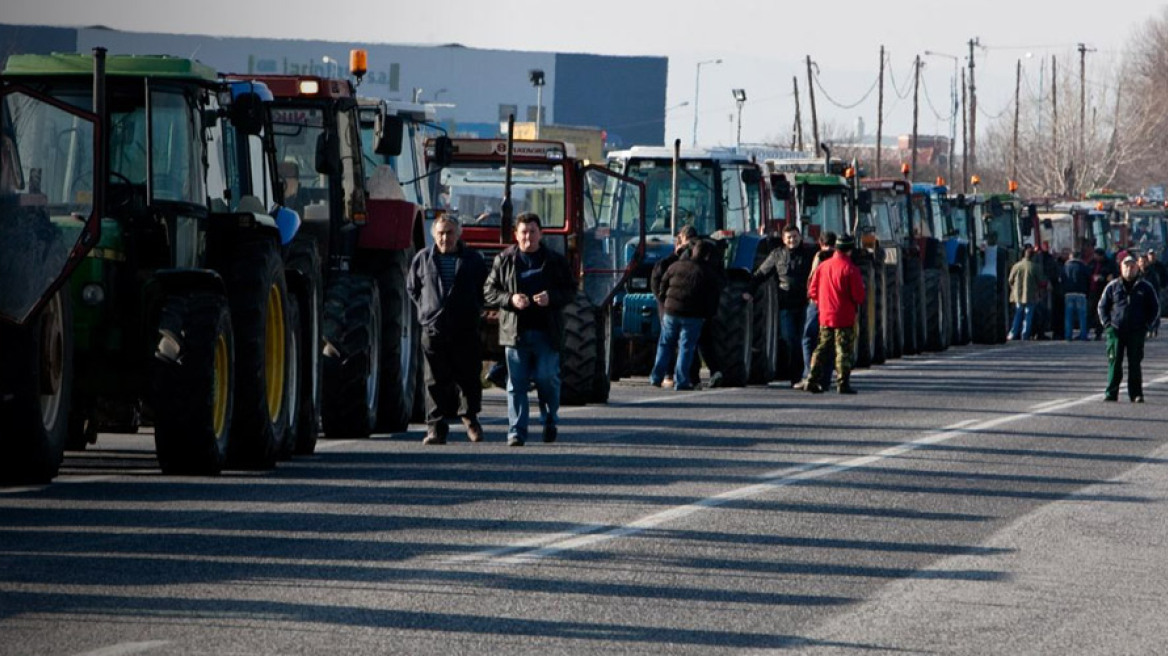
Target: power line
point(892, 75)
point(867, 93)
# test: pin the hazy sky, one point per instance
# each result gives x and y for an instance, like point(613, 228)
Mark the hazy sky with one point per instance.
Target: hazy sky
point(762, 45)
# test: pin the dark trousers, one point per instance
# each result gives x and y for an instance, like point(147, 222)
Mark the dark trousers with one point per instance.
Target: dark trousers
point(454, 364)
point(1118, 346)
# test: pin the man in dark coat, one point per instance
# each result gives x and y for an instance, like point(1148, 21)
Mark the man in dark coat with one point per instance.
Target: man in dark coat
point(530, 285)
point(446, 286)
point(791, 265)
point(1127, 311)
point(690, 288)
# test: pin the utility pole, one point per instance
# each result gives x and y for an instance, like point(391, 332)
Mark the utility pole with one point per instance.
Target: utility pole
point(964, 140)
point(814, 117)
point(1054, 108)
point(1017, 91)
point(916, 114)
point(974, 42)
point(880, 115)
point(798, 116)
point(1082, 154)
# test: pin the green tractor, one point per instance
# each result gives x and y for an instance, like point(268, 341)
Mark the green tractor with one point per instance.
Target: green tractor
point(179, 314)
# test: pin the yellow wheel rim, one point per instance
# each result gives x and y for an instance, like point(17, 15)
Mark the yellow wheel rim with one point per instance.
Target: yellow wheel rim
point(274, 353)
point(222, 385)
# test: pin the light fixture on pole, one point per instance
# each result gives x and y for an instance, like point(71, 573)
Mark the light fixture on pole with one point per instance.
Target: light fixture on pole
point(953, 113)
point(740, 99)
point(537, 80)
point(697, 90)
point(326, 60)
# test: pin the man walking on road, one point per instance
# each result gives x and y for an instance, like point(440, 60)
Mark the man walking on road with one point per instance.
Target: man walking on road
point(530, 285)
point(1127, 311)
point(446, 285)
point(838, 289)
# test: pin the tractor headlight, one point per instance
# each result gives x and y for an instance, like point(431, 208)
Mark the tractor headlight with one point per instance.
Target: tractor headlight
point(92, 294)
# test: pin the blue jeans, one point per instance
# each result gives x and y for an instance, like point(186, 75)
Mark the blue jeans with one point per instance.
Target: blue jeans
point(1023, 321)
point(680, 335)
point(810, 341)
point(791, 321)
point(1075, 305)
point(532, 358)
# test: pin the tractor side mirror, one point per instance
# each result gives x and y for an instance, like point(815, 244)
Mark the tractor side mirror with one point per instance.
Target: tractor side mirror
point(247, 113)
point(328, 154)
point(780, 187)
point(864, 202)
point(389, 131)
point(751, 176)
point(443, 152)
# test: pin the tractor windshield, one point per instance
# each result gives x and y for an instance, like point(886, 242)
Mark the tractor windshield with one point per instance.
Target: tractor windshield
point(475, 190)
point(823, 209)
point(47, 156)
point(696, 199)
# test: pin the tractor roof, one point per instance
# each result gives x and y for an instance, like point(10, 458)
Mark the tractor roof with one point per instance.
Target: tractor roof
point(69, 64)
point(665, 152)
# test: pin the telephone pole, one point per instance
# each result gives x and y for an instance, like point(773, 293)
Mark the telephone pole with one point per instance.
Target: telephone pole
point(880, 115)
point(974, 42)
point(814, 117)
point(798, 116)
point(916, 113)
point(1017, 91)
point(1082, 154)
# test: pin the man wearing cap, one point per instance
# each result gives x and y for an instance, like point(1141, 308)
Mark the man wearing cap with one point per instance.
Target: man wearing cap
point(1127, 311)
point(838, 289)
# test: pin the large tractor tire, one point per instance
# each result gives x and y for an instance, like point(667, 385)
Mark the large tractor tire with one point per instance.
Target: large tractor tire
point(303, 268)
point(296, 378)
point(732, 334)
point(352, 358)
point(578, 359)
point(193, 378)
point(880, 306)
point(36, 387)
point(764, 360)
point(258, 294)
point(866, 318)
point(986, 310)
point(894, 336)
point(911, 319)
point(937, 313)
point(401, 345)
point(959, 306)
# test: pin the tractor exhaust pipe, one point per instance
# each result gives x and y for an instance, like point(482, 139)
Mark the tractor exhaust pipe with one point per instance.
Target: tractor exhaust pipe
point(506, 211)
point(673, 192)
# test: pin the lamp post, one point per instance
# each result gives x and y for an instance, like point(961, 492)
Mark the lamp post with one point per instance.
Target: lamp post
point(537, 80)
point(953, 114)
point(740, 98)
point(326, 60)
point(438, 93)
point(697, 90)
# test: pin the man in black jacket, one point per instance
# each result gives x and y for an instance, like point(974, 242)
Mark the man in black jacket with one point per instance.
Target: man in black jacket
point(446, 285)
point(531, 284)
point(1127, 311)
point(791, 265)
point(690, 288)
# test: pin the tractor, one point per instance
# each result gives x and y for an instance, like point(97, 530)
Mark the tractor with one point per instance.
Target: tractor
point(352, 254)
point(722, 194)
point(934, 235)
point(179, 313)
point(588, 213)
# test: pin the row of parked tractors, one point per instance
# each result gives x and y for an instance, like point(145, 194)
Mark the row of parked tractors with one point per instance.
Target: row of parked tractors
point(223, 258)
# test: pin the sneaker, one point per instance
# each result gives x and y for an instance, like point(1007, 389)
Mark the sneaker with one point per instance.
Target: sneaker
point(435, 434)
point(1137, 399)
point(715, 380)
point(814, 388)
point(1109, 397)
point(474, 430)
point(514, 440)
point(550, 432)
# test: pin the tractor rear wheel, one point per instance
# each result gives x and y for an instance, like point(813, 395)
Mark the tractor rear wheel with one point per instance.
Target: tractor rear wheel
point(401, 345)
point(303, 261)
point(193, 376)
point(352, 335)
point(731, 327)
point(764, 361)
point(986, 310)
point(36, 381)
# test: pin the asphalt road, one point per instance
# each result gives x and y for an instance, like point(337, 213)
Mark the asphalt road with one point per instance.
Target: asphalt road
point(979, 501)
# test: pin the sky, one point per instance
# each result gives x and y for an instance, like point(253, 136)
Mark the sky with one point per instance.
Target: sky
point(762, 45)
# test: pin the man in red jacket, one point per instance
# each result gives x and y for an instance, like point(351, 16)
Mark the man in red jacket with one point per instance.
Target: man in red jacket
point(838, 289)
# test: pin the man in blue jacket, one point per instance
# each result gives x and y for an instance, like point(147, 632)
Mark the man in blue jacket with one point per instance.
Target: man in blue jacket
point(1127, 311)
point(446, 285)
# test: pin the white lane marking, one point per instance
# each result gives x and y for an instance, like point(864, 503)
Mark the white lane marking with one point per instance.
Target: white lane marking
point(529, 551)
point(1036, 406)
point(126, 648)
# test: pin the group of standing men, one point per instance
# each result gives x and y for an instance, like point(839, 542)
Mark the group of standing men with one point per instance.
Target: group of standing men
point(529, 285)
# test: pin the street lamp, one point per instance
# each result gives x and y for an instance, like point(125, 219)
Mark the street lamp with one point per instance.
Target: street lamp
point(537, 80)
point(438, 93)
point(326, 60)
point(740, 98)
point(953, 115)
point(697, 89)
